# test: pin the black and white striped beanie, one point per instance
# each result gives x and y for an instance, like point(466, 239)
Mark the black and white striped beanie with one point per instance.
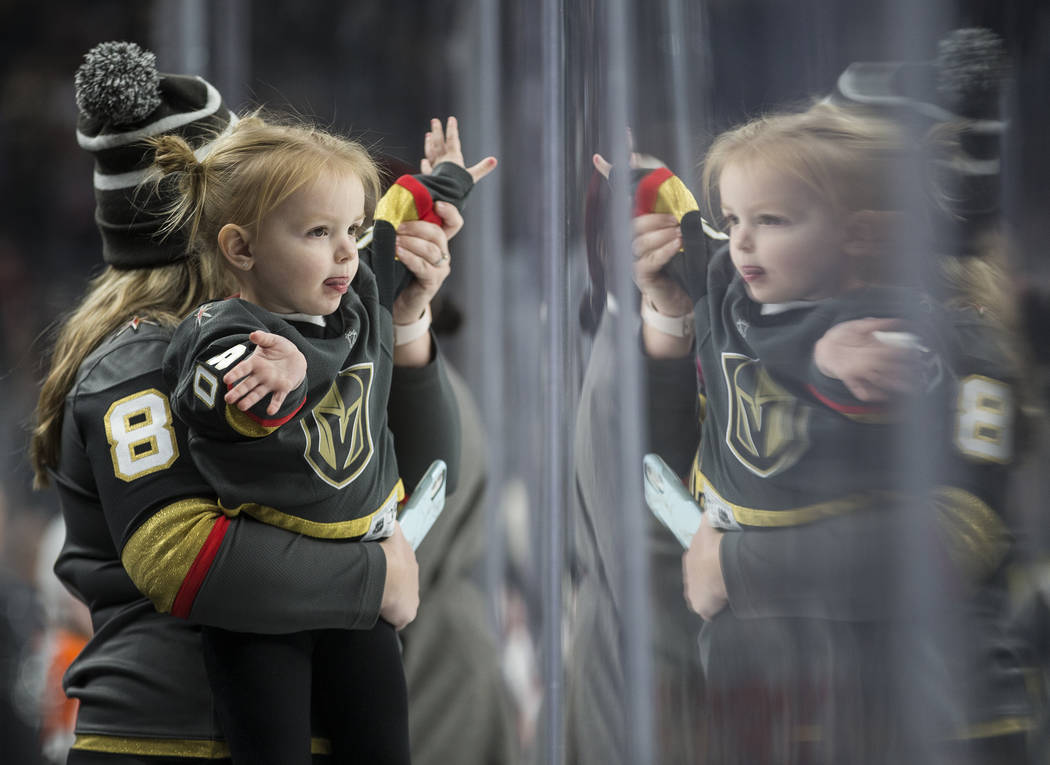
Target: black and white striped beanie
point(122, 99)
point(961, 87)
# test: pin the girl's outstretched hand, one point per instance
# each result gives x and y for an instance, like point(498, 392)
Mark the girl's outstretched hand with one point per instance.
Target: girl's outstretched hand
point(276, 367)
point(442, 145)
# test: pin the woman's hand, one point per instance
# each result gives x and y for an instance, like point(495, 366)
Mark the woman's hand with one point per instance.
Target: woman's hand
point(871, 369)
point(705, 588)
point(401, 587)
point(442, 145)
point(657, 239)
point(423, 249)
point(276, 367)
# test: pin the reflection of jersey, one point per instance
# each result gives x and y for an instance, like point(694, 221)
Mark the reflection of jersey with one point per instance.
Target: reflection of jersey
point(783, 444)
point(837, 570)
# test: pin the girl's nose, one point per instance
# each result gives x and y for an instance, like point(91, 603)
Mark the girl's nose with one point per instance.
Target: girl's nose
point(741, 237)
point(346, 249)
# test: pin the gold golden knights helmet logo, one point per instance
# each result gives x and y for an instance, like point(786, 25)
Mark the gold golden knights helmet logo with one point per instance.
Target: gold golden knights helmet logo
point(767, 428)
point(338, 431)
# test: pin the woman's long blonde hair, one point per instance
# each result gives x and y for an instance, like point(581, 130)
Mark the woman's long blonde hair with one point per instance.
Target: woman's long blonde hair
point(163, 294)
point(249, 172)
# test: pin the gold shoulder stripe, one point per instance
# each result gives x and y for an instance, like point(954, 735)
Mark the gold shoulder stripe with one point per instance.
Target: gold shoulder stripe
point(173, 535)
point(320, 530)
point(244, 424)
point(977, 538)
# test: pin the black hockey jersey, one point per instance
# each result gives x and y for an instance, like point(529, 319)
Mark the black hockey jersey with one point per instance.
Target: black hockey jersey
point(324, 465)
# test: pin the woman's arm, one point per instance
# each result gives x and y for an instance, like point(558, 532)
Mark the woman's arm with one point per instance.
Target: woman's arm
point(176, 544)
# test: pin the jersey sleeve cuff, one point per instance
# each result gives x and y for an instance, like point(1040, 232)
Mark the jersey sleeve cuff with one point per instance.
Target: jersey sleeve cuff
point(371, 592)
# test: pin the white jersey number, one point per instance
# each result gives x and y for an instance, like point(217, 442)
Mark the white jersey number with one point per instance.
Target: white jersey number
point(141, 439)
point(985, 419)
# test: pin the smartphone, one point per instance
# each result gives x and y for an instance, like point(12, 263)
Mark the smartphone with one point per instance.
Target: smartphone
point(425, 504)
point(669, 500)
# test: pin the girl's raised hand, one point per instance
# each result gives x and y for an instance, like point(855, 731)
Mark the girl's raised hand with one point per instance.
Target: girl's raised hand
point(442, 145)
point(276, 367)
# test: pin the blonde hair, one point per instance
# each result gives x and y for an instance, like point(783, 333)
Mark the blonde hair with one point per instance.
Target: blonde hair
point(848, 159)
point(164, 294)
point(249, 173)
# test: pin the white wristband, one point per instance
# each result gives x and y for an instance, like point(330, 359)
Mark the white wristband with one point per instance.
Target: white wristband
point(676, 326)
point(406, 333)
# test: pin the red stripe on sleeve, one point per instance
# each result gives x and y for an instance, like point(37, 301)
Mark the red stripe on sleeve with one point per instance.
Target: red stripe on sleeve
point(424, 204)
point(201, 564)
point(648, 190)
point(844, 408)
point(279, 421)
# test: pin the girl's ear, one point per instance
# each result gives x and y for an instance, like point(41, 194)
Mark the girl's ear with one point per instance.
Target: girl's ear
point(235, 243)
point(870, 232)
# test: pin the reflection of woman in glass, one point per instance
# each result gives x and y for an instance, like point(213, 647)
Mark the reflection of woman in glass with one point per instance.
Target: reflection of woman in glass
point(805, 662)
point(595, 683)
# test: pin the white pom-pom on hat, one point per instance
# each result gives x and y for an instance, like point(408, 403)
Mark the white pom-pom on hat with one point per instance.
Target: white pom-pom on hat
point(118, 82)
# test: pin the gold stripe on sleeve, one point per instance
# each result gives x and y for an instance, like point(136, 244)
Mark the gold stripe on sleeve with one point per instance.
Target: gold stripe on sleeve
point(160, 552)
point(977, 539)
point(244, 424)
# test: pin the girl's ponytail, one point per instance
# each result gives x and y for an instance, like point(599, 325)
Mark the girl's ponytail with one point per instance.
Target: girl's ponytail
point(184, 178)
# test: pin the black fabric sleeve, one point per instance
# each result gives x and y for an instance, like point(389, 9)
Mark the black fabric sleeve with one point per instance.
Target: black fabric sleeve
point(424, 419)
point(448, 183)
point(267, 580)
point(671, 404)
point(839, 568)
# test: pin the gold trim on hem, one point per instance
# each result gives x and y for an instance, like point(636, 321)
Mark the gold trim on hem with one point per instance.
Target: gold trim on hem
point(318, 529)
point(171, 747)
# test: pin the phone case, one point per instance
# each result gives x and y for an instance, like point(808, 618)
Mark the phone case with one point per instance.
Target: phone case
point(424, 505)
point(669, 499)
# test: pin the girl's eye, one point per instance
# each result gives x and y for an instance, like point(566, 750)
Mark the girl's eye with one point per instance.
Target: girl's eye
point(728, 221)
point(317, 232)
point(355, 230)
point(771, 220)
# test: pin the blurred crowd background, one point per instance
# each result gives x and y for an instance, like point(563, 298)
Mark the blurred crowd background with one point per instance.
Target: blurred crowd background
point(532, 88)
